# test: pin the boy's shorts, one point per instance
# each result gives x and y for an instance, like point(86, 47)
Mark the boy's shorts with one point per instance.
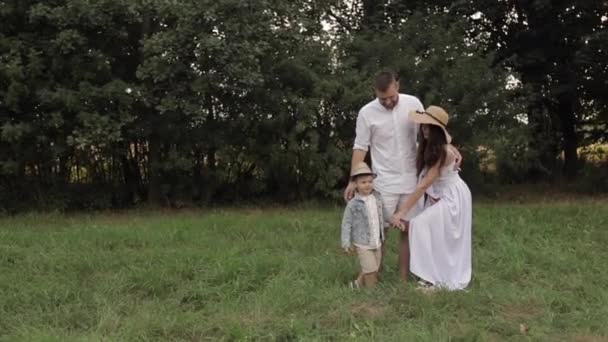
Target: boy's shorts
point(369, 259)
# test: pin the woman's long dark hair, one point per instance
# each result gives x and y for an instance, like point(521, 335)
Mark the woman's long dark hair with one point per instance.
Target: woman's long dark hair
point(431, 150)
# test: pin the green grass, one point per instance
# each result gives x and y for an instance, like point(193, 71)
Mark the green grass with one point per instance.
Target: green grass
point(277, 274)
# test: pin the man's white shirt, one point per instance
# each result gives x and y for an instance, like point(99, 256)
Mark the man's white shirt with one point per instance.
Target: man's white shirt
point(391, 139)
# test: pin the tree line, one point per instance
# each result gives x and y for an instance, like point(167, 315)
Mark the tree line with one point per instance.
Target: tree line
point(112, 103)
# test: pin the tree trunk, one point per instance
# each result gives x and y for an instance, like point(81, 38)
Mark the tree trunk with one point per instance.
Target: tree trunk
point(210, 181)
point(371, 14)
point(542, 140)
point(131, 177)
point(155, 196)
point(154, 174)
point(570, 141)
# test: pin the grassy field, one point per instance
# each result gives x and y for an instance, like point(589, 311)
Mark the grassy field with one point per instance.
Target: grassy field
point(540, 274)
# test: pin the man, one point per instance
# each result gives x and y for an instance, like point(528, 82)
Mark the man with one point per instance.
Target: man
point(384, 130)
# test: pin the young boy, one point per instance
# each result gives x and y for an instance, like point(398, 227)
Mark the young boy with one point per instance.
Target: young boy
point(362, 226)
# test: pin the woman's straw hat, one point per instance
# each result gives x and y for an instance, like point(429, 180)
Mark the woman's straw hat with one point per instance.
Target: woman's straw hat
point(433, 115)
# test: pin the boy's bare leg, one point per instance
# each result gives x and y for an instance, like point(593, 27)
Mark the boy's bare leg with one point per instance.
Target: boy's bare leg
point(370, 279)
point(404, 254)
point(360, 279)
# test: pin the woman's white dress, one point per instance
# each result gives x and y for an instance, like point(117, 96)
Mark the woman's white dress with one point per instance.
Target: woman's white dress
point(440, 236)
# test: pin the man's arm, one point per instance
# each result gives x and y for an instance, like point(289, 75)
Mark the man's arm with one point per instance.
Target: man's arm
point(361, 146)
point(419, 107)
point(358, 156)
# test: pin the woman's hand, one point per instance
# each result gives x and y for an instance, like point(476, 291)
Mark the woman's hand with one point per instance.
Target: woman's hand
point(396, 222)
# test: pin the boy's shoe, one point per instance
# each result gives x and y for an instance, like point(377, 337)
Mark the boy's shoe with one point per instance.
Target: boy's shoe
point(354, 285)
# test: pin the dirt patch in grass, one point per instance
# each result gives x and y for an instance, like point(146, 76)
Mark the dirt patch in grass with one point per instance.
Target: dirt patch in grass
point(369, 310)
point(522, 311)
point(590, 338)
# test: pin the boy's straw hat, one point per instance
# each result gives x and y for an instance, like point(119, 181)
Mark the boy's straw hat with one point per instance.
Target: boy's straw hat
point(433, 115)
point(362, 169)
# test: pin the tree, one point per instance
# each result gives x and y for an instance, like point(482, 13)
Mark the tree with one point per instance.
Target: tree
point(555, 48)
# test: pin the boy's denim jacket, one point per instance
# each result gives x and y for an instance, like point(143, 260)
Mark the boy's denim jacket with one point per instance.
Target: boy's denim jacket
point(355, 223)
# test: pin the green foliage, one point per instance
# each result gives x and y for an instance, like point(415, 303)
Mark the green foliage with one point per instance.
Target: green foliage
point(205, 101)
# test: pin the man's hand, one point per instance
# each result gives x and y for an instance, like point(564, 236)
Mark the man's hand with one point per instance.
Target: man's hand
point(457, 164)
point(458, 161)
point(349, 192)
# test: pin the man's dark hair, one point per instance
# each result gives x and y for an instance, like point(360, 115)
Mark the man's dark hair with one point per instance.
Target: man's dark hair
point(384, 79)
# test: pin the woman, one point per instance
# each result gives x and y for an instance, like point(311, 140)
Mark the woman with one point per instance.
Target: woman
point(440, 236)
